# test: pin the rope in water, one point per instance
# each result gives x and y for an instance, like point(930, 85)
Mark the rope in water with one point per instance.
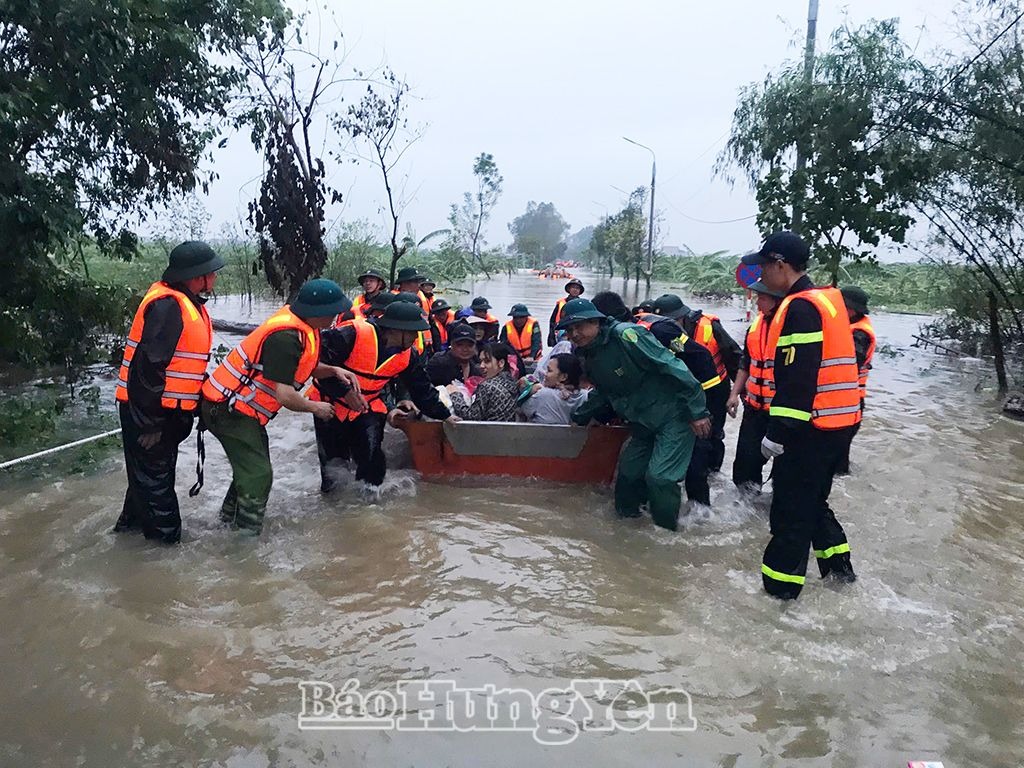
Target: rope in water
point(59, 448)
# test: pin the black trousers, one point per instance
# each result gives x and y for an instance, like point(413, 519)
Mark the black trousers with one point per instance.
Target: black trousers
point(150, 503)
point(748, 466)
point(361, 440)
point(717, 439)
point(844, 465)
point(800, 514)
point(697, 488)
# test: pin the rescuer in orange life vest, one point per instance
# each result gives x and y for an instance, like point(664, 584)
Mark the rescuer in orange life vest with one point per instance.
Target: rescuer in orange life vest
point(377, 352)
point(373, 284)
point(864, 341)
point(522, 333)
point(707, 330)
point(753, 386)
point(573, 289)
point(158, 387)
point(265, 371)
point(815, 406)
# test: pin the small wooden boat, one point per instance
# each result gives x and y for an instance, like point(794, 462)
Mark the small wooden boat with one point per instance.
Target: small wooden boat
point(549, 452)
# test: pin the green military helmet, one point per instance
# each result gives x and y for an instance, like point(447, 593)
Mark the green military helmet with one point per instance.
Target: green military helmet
point(402, 316)
point(371, 273)
point(440, 305)
point(381, 300)
point(480, 304)
point(519, 310)
point(192, 258)
point(408, 298)
point(408, 275)
point(320, 298)
point(577, 310)
point(578, 283)
point(856, 298)
point(670, 305)
point(758, 287)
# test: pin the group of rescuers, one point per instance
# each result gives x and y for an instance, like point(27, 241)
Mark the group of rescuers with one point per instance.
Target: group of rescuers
point(670, 373)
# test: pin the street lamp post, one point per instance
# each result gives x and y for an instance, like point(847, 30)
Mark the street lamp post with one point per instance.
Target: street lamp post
point(650, 220)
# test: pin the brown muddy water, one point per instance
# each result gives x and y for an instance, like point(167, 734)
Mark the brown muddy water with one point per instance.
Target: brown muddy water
point(116, 653)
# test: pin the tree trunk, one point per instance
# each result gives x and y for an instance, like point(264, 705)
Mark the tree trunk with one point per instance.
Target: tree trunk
point(997, 341)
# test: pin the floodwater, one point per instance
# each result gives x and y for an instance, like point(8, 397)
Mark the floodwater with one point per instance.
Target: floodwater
point(114, 652)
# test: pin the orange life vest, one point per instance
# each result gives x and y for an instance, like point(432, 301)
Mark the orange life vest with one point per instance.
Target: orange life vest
point(239, 379)
point(362, 361)
point(187, 369)
point(559, 306)
point(362, 304)
point(704, 334)
point(521, 342)
point(761, 383)
point(442, 330)
point(837, 401)
point(647, 319)
point(864, 324)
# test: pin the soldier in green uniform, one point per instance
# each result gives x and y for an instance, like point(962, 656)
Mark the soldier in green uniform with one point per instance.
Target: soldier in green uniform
point(638, 380)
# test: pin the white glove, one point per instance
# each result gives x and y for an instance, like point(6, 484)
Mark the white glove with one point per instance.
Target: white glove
point(770, 449)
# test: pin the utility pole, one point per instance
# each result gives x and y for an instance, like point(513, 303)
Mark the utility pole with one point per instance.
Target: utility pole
point(801, 157)
point(650, 220)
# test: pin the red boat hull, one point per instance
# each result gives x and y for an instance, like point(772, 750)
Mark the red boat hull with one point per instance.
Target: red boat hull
point(563, 454)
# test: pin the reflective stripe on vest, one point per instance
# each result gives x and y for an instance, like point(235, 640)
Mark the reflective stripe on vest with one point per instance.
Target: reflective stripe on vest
point(521, 342)
point(239, 379)
point(186, 370)
point(704, 334)
point(362, 361)
point(837, 401)
point(760, 383)
point(864, 324)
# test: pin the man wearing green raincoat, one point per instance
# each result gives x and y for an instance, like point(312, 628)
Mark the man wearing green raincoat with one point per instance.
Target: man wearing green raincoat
point(640, 381)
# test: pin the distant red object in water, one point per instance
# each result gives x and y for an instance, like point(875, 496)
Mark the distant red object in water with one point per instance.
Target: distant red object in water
point(549, 452)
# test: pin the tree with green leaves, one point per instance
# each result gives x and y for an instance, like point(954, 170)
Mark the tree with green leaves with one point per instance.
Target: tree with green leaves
point(468, 220)
point(860, 176)
point(108, 107)
point(539, 233)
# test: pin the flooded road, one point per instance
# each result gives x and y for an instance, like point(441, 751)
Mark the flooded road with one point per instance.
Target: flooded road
point(113, 652)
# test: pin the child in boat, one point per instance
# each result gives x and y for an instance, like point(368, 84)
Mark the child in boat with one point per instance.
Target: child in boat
point(554, 401)
point(495, 397)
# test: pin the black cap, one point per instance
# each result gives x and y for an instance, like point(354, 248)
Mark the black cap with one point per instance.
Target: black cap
point(781, 246)
point(428, 281)
point(480, 303)
point(461, 332)
point(440, 305)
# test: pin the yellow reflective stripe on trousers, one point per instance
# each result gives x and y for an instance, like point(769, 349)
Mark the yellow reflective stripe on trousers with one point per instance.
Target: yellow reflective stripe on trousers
point(778, 576)
point(838, 549)
point(799, 338)
point(792, 413)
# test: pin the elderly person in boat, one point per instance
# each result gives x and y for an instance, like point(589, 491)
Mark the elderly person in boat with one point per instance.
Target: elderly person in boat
point(638, 380)
point(494, 399)
point(555, 399)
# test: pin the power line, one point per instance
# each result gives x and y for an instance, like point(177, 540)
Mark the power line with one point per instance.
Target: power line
point(951, 79)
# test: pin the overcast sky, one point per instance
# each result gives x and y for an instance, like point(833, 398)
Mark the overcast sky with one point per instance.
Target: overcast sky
point(550, 88)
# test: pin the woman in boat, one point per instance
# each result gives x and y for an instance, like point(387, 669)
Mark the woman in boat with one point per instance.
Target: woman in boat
point(554, 401)
point(495, 397)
